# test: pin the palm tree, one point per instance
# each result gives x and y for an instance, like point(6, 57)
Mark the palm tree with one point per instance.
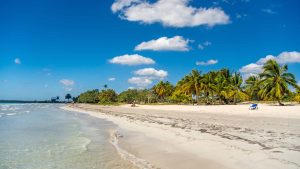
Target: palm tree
point(68, 96)
point(275, 81)
point(222, 81)
point(163, 89)
point(252, 87)
point(208, 85)
point(190, 84)
point(297, 96)
point(235, 88)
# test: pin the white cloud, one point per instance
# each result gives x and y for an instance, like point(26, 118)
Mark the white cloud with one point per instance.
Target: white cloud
point(131, 60)
point(252, 68)
point(111, 79)
point(268, 10)
point(204, 44)
point(68, 84)
point(282, 58)
point(209, 62)
point(17, 61)
point(120, 4)
point(152, 73)
point(172, 13)
point(176, 43)
point(140, 81)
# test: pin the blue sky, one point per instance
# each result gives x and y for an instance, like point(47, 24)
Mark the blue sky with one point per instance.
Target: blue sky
point(54, 47)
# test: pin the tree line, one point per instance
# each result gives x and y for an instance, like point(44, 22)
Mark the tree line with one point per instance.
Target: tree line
point(215, 87)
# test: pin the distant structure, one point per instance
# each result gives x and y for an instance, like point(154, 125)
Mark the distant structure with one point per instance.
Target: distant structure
point(54, 99)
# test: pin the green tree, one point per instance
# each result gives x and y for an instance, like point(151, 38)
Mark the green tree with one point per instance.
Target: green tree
point(179, 97)
point(190, 85)
point(252, 87)
point(275, 81)
point(297, 96)
point(90, 96)
point(222, 80)
point(128, 96)
point(208, 86)
point(107, 96)
point(163, 90)
point(235, 88)
point(68, 96)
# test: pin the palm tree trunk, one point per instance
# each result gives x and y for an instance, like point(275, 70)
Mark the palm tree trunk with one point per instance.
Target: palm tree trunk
point(197, 94)
point(280, 104)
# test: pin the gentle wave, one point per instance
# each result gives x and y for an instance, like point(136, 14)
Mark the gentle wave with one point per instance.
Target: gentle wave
point(140, 163)
point(11, 114)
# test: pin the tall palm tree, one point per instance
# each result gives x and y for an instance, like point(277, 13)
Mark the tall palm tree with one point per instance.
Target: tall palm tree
point(235, 88)
point(275, 81)
point(252, 87)
point(191, 84)
point(209, 85)
point(221, 82)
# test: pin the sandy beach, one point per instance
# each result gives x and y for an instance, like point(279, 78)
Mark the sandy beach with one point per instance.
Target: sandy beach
point(208, 137)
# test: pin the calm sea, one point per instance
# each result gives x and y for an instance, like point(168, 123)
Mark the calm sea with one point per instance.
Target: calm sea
point(43, 136)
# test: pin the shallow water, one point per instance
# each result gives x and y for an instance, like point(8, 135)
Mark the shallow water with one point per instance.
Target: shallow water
point(43, 136)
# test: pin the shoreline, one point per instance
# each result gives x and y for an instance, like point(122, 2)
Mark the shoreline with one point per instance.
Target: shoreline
point(166, 136)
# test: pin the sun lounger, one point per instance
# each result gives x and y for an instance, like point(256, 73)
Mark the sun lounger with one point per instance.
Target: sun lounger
point(253, 107)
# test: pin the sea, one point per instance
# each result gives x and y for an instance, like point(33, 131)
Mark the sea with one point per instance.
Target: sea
point(44, 136)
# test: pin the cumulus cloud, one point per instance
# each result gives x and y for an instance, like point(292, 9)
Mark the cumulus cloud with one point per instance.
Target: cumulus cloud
point(131, 60)
point(282, 58)
point(206, 63)
point(172, 13)
point(111, 79)
point(144, 77)
point(140, 81)
point(17, 61)
point(151, 73)
point(252, 68)
point(67, 84)
point(176, 43)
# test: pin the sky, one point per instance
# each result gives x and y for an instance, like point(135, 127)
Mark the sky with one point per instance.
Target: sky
point(53, 47)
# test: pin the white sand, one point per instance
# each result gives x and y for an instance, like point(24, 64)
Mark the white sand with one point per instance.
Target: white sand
point(208, 137)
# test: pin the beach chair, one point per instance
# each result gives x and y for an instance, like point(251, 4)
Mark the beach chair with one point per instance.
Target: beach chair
point(253, 107)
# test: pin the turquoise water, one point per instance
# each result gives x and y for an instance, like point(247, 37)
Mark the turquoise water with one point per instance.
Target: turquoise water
point(43, 136)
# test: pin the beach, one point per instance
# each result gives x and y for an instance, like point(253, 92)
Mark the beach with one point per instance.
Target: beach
point(209, 137)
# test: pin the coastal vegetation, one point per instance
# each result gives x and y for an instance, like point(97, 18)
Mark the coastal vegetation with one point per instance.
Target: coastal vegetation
point(222, 86)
